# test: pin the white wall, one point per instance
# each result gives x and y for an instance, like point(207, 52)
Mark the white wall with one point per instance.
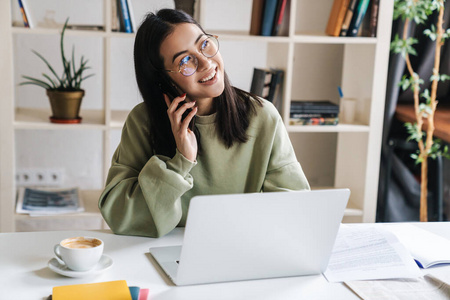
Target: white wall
point(79, 153)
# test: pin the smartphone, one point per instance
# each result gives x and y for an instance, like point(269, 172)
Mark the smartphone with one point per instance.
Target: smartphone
point(170, 90)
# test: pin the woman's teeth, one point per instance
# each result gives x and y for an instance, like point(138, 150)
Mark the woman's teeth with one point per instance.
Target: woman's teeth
point(209, 77)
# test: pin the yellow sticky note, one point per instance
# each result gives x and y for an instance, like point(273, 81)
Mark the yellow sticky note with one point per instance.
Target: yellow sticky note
point(111, 290)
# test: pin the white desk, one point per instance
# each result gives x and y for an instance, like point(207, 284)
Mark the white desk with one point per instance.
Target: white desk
point(24, 273)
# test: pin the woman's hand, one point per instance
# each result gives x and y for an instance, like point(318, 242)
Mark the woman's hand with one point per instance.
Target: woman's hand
point(184, 137)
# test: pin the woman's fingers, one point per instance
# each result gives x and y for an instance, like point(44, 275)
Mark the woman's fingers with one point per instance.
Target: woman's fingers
point(188, 119)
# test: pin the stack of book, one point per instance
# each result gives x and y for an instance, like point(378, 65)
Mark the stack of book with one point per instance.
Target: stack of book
point(347, 18)
point(314, 113)
point(268, 84)
point(269, 18)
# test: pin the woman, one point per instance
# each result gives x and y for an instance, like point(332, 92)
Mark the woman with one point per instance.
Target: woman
point(193, 134)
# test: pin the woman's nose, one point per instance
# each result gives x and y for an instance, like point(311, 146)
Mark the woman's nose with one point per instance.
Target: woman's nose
point(204, 63)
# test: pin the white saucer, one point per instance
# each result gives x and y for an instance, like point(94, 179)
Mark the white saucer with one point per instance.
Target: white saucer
point(104, 263)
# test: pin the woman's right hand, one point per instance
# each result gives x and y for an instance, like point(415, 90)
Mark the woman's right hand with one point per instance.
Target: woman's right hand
point(184, 137)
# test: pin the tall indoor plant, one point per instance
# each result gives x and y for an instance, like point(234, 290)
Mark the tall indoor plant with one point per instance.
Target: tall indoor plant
point(64, 91)
point(425, 102)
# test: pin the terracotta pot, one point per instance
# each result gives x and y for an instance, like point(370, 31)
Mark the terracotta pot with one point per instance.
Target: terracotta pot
point(65, 105)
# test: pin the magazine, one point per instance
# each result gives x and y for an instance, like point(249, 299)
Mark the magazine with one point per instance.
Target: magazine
point(49, 201)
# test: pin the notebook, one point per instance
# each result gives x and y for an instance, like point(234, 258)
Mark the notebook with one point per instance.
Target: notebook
point(255, 236)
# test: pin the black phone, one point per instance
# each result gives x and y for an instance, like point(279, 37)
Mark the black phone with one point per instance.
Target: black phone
point(170, 89)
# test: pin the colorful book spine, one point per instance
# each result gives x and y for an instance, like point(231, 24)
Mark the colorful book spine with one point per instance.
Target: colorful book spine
point(314, 121)
point(25, 14)
point(348, 17)
point(357, 18)
point(373, 18)
point(131, 14)
point(125, 16)
point(270, 8)
point(279, 15)
point(257, 13)
point(337, 15)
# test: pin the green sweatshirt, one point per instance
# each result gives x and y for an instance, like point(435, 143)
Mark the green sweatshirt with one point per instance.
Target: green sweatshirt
point(148, 195)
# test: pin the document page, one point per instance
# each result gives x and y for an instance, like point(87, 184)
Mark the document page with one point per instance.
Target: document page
point(427, 248)
point(366, 252)
point(428, 287)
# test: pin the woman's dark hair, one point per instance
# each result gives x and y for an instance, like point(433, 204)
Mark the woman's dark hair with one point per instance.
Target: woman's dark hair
point(233, 106)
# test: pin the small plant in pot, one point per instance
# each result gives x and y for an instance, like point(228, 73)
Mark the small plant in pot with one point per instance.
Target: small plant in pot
point(64, 92)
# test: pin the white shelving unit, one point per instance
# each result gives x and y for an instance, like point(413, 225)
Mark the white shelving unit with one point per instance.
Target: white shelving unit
point(346, 155)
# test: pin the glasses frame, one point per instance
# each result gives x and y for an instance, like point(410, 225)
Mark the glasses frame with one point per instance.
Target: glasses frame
point(216, 37)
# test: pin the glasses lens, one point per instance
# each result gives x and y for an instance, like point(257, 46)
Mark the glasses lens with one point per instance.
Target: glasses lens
point(188, 65)
point(210, 46)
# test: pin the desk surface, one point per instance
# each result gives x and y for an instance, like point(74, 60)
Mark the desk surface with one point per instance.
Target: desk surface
point(24, 273)
point(405, 113)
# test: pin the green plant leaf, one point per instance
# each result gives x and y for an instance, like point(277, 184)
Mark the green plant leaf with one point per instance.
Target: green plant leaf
point(35, 81)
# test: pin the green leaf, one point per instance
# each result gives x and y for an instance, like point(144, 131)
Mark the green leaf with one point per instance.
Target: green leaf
point(35, 81)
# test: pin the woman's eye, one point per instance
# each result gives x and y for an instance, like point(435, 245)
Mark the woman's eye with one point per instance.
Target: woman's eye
point(205, 44)
point(185, 60)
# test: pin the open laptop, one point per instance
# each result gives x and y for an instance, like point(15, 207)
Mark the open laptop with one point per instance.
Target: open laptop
point(254, 236)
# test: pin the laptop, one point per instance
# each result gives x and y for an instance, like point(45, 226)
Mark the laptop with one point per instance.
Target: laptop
point(255, 236)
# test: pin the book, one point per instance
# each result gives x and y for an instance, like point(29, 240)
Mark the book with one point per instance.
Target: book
point(26, 16)
point(257, 13)
point(268, 84)
point(428, 249)
point(373, 18)
point(336, 18)
point(131, 14)
point(357, 18)
point(111, 290)
point(313, 115)
point(268, 18)
point(276, 88)
point(314, 121)
point(49, 201)
point(115, 24)
point(317, 107)
point(261, 80)
point(348, 17)
point(279, 15)
point(134, 291)
point(125, 17)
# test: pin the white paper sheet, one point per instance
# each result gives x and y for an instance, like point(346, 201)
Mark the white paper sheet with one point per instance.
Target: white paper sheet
point(427, 248)
point(427, 288)
point(368, 252)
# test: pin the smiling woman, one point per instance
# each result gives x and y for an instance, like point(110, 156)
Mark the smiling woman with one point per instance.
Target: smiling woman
point(238, 144)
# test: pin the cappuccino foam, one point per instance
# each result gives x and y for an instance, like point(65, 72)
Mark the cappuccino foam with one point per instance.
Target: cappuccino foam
point(80, 243)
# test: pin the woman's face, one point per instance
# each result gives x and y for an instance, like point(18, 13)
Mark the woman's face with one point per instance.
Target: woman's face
point(208, 81)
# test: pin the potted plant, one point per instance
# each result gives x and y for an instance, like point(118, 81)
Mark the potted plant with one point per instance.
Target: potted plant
point(64, 92)
point(425, 103)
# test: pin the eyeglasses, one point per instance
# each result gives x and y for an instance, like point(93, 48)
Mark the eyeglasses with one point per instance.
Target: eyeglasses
point(188, 64)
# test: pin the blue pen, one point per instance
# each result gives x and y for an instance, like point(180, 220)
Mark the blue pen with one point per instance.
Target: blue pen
point(341, 95)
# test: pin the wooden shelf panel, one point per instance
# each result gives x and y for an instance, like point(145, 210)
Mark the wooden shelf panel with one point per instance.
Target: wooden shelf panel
point(38, 118)
point(322, 38)
point(328, 128)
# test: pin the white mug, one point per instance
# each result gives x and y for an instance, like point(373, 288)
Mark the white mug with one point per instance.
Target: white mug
point(79, 253)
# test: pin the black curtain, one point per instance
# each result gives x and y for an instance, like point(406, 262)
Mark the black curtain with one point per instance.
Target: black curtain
point(399, 186)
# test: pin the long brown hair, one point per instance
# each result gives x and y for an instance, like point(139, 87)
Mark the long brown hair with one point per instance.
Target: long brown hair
point(234, 106)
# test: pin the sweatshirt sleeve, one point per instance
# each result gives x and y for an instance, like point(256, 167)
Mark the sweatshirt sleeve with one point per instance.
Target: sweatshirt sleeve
point(142, 193)
point(284, 172)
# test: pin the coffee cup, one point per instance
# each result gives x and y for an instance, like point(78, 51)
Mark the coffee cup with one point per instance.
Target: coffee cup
point(79, 253)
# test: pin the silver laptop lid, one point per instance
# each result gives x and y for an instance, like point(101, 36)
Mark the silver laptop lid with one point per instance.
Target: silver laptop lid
point(263, 235)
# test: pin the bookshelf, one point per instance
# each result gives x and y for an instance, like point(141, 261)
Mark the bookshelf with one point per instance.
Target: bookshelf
point(346, 155)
